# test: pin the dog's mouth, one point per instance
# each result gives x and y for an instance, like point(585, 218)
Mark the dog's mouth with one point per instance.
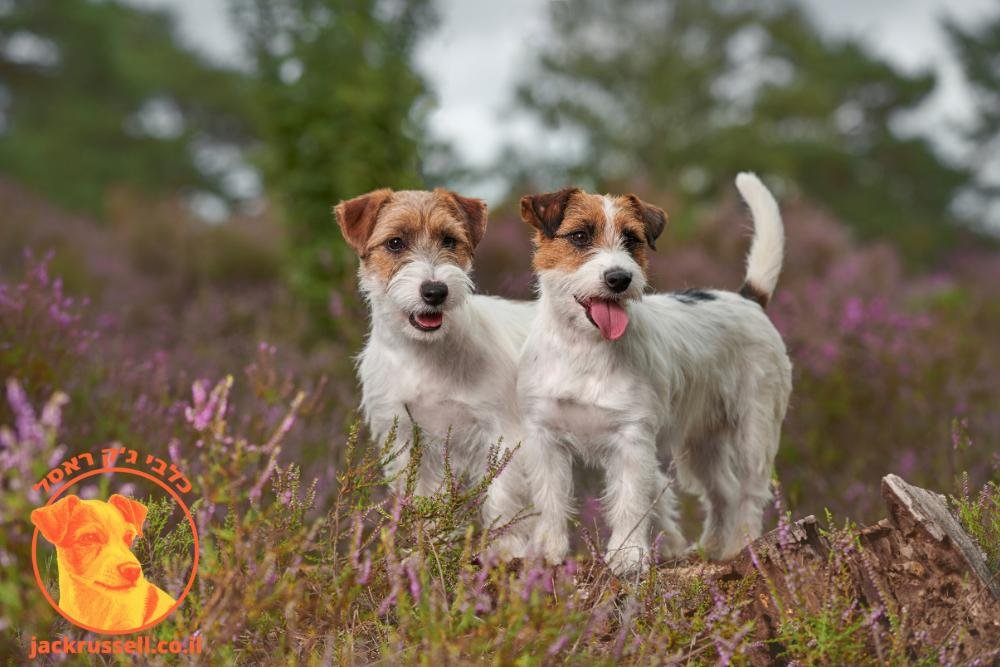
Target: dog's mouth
point(123, 587)
point(427, 321)
point(607, 315)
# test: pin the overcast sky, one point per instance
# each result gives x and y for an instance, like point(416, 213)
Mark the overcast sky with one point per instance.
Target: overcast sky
point(475, 58)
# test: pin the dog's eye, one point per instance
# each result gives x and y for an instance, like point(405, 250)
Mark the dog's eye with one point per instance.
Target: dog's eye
point(88, 539)
point(449, 242)
point(395, 244)
point(581, 238)
point(631, 241)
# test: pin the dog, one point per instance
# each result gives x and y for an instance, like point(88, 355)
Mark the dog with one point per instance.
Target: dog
point(101, 583)
point(437, 354)
point(616, 377)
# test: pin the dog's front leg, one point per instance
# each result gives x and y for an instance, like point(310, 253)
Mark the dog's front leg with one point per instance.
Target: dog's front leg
point(504, 502)
point(630, 498)
point(549, 472)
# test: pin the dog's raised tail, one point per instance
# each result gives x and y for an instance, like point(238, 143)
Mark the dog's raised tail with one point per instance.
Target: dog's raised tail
point(768, 247)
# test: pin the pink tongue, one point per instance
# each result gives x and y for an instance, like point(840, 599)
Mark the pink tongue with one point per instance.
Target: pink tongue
point(609, 317)
point(429, 320)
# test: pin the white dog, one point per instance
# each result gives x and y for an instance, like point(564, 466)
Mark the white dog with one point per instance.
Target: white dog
point(614, 376)
point(437, 355)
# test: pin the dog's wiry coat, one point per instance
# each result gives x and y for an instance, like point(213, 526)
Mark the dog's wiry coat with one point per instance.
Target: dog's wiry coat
point(700, 376)
point(457, 378)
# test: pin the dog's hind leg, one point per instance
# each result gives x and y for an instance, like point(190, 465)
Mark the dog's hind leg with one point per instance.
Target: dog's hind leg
point(736, 486)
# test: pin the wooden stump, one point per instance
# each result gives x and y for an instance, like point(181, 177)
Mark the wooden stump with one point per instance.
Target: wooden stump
point(918, 565)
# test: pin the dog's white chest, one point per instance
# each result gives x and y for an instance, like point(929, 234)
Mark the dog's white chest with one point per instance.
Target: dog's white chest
point(601, 380)
point(585, 400)
point(428, 395)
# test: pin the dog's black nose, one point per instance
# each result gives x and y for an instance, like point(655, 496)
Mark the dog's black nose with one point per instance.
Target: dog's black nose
point(433, 292)
point(617, 279)
point(129, 571)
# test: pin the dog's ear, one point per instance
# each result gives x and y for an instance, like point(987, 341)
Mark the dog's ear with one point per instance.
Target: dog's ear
point(653, 217)
point(545, 211)
point(133, 511)
point(53, 520)
point(474, 212)
point(356, 217)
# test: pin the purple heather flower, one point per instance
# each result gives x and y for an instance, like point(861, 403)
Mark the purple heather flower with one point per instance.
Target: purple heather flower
point(409, 566)
point(174, 449)
point(873, 616)
point(364, 570)
point(202, 408)
point(558, 645)
point(28, 429)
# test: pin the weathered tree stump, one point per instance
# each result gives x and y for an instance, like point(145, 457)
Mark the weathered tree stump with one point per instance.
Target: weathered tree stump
point(918, 565)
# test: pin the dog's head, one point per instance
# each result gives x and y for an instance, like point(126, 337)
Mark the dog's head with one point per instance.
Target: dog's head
point(416, 251)
point(590, 254)
point(93, 539)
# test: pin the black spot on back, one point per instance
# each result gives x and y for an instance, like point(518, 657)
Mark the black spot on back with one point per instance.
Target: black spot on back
point(693, 296)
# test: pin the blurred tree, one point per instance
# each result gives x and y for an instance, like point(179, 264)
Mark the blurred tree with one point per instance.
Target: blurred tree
point(341, 112)
point(978, 50)
point(100, 94)
point(681, 95)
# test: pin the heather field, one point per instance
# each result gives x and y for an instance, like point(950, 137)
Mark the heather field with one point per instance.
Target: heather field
point(123, 335)
point(176, 299)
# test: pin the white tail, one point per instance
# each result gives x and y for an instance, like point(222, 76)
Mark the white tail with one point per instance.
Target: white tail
point(768, 247)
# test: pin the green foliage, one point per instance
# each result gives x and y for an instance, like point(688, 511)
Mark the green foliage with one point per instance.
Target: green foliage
point(680, 96)
point(166, 547)
point(87, 84)
point(340, 111)
point(979, 514)
point(978, 48)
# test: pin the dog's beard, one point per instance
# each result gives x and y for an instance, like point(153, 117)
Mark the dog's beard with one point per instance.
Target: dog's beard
point(583, 300)
point(400, 305)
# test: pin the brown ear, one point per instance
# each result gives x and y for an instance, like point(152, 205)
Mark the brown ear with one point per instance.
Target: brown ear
point(53, 520)
point(356, 217)
point(653, 217)
point(133, 511)
point(474, 211)
point(545, 211)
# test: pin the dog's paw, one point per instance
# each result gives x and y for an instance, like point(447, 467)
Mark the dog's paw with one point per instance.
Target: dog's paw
point(672, 544)
point(510, 546)
point(720, 550)
point(629, 558)
point(552, 545)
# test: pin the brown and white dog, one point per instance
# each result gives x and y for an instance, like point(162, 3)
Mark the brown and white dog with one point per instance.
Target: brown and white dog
point(437, 354)
point(618, 377)
point(101, 584)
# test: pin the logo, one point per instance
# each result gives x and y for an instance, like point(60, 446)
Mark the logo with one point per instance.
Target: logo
point(101, 584)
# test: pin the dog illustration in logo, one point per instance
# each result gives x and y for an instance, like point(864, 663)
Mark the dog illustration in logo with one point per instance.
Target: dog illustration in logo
point(101, 584)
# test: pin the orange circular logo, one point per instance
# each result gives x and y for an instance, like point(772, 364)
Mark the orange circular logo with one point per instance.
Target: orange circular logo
point(102, 587)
